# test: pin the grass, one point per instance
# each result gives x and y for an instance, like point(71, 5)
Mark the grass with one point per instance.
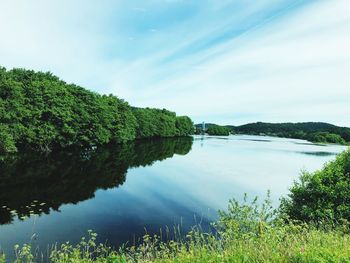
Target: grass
point(246, 232)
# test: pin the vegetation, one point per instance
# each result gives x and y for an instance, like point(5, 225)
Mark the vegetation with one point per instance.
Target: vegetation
point(41, 112)
point(161, 123)
point(7, 143)
point(327, 137)
point(218, 130)
point(246, 232)
point(312, 225)
point(317, 132)
point(323, 195)
point(312, 131)
point(213, 129)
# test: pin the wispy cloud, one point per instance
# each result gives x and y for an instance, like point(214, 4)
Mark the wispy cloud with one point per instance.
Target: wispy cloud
point(219, 61)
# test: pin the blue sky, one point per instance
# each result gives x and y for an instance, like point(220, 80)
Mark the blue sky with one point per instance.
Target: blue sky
point(229, 62)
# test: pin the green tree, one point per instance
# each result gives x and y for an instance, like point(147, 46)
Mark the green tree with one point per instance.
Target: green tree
point(42, 112)
point(218, 130)
point(184, 126)
point(326, 137)
point(161, 123)
point(7, 143)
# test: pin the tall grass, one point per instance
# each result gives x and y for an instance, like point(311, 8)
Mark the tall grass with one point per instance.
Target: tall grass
point(246, 232)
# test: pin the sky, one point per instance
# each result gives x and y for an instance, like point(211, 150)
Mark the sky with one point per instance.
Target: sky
point(228, 62)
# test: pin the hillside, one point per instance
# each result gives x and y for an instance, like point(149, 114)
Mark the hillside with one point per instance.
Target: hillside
point(313, 131)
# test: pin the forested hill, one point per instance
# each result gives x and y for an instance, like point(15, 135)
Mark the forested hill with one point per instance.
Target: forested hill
point(311, 131)
point(42, 112)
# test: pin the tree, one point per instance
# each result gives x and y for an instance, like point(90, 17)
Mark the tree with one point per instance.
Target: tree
point(42, 112)
point(218, 130)
point(161, 123)
point(7, 143)
point(184, 126)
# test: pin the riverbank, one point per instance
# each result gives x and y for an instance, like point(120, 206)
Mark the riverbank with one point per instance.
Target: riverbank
point(311, 225)
point(238, 240)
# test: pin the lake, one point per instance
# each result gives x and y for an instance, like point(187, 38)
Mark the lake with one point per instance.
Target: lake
point(122, 191)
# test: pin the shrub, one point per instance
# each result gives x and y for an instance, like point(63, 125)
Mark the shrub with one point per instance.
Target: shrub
point(323, 195)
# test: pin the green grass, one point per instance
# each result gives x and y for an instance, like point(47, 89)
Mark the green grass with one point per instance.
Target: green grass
point(288, 243)
point(246, 232)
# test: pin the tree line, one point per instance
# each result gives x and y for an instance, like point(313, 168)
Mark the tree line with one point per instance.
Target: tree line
point(218, 130)
point(213, 129)
point(317, 132)
point(39, 111)
point(312, 131)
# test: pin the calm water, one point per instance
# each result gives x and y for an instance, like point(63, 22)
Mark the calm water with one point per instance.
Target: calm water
point(120, 191)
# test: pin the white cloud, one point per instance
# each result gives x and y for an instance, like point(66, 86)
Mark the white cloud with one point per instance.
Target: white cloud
point(290, 66)
point(293, 70)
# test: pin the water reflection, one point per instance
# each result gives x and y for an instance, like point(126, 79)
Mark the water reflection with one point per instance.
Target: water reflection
point(256, 140)
point(311, 143)
point(31, 184)
point(319, 153)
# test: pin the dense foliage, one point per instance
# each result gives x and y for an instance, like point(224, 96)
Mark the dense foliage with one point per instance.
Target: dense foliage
point(40, 111)
point(218, 130)
point(311, 131)
point(323, 195)
point(161, 123)
point(327, 137)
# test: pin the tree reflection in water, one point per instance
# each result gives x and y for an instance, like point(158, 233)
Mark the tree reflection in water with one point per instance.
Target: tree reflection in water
point(33, 184)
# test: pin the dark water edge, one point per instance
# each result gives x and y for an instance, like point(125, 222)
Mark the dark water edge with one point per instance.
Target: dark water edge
point(33, 184)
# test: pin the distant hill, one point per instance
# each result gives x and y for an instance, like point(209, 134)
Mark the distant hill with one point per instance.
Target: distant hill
point(312, 131)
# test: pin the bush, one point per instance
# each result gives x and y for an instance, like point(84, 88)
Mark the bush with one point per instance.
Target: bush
point(246, 217)
point(323, 195)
